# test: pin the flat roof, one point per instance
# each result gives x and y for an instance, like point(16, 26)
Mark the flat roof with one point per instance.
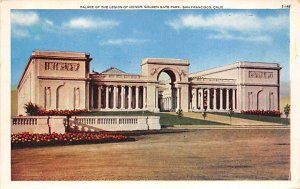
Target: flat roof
point(165, 61)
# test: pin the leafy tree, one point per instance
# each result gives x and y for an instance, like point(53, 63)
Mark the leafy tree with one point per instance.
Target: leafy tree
point(204, 114)
point(230, 113)
point(179, 113)
point(31, 109)
point(287, 110)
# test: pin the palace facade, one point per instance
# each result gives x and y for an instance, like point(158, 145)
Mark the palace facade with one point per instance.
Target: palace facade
point(63, 80)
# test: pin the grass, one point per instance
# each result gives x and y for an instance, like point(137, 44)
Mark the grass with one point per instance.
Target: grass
point(284, 100)
point(165, 119)
point(271, 119)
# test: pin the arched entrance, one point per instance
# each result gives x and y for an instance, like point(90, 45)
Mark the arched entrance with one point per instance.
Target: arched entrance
point(62, 100)
point(167, 99)
point(176, 84)
point(261, 100)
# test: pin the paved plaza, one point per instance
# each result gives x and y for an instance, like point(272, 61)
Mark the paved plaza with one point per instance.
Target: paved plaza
point(185, 154)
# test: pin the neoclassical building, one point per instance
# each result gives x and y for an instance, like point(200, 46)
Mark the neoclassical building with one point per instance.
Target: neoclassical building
point(63, 80)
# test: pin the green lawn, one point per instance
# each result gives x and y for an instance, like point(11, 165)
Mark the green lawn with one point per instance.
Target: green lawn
point(165, 119)
point(259, 118)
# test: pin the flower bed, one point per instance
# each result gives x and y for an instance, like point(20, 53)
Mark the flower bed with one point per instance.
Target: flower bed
point(26, 139)
point(61, 112)
point(275, 113)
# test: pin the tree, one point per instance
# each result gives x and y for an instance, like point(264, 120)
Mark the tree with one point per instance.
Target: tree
point(204, 114)
point(286, 110)
point(179, 113)
point(32, 109)
point(230, 113)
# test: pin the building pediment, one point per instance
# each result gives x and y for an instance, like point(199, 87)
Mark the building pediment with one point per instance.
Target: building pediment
point(113, 70)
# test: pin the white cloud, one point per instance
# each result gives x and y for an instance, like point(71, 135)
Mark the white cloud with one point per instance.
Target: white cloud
point(24, 18)
point(124, 41)
point(20, 33)
point(246, 27)
point(48, 22)
point(240, 37)
point(90, 23)
point(241, 22)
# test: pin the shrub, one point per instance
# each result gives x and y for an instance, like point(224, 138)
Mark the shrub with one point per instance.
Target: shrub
point(204, 114)
point(31, 109)
point(26, 139)
point(275, 113)
point(230, 113)
point(61, 112)
point(286, 110)
point(179, 113)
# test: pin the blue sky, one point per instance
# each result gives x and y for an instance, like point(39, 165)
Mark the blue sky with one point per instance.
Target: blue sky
point(208, 38)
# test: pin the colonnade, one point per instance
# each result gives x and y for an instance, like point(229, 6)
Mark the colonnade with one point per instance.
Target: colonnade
point(213, 99)
point(166, 103)
point(172, 101)
point(134, 97)
point(118, 97)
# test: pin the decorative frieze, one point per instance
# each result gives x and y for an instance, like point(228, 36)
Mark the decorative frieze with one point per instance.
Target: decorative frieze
point(61, 66)
point(115, 76)
point(213, 80)
point(260, 74)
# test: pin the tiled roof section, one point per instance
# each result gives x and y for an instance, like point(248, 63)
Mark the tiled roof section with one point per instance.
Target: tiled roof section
point(113, 70)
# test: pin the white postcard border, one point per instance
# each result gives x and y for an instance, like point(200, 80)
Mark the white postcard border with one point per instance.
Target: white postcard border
point(5, 100)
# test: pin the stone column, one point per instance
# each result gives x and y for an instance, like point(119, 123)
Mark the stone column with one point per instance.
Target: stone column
point(156, 97)
point(136, 97)
point(221, 99)
point(144, 97)
point(202, 99)
point(130, 97)
point(118, 91)
point(107, 98)
point(227, 99)
point(166, 103)
point(194, 101)
point(99, 97)
point(208, 99)
point(178, 99)
point(199, 98)
point(233, 99)
point(92, 98)
point(122, 97)
point(115, 97)
point(53, 98)
point(215, 99)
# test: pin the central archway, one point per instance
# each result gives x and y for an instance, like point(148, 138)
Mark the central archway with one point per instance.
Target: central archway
point(167, 99)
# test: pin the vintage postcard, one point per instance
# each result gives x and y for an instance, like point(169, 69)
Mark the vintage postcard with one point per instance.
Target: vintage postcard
point(107, 92)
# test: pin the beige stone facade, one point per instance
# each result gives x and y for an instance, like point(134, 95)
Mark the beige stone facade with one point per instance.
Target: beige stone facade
point(62, 80)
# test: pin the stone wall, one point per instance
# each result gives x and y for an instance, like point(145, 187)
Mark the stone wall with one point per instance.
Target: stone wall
point(115, 123)
point(58, 124)
point(31, 124)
